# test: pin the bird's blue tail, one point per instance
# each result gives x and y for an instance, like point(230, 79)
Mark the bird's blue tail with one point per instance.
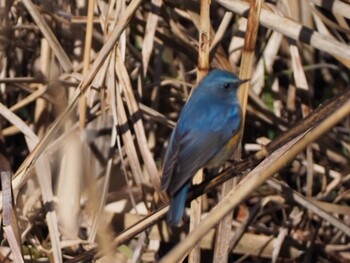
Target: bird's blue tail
point(177, 205)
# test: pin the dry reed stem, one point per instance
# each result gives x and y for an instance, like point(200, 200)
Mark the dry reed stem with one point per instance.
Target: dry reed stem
point(10, 222)
point(138, 126)
point(336, 6)
point(292, 29)
point(224, 228)
point(61, 55)
point(148, 40)
point(301, 83)
point(86, 59)
point(266, 62)
point(203, 68)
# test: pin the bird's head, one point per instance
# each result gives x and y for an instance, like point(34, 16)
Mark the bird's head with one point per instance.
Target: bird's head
point(221, 83)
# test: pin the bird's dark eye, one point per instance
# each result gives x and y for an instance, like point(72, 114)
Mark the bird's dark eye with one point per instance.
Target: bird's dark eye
point(226, 85)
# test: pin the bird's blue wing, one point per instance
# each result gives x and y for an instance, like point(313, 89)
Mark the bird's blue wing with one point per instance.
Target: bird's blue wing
point(170, 160)
point(196, 140)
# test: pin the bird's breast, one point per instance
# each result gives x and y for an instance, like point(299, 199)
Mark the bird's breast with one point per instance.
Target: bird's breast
point(226, 152)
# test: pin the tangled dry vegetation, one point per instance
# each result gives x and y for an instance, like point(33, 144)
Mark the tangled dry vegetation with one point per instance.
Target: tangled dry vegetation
point(91, 89)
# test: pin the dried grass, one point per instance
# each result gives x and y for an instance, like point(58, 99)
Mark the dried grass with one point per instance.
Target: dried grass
point(91, 89)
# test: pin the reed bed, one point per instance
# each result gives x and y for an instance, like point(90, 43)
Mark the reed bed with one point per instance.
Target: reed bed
point(90, 91)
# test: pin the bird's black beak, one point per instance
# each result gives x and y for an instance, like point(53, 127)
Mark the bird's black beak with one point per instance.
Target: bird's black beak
point(241, 81)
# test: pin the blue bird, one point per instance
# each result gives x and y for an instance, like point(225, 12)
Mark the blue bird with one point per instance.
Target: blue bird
point(206, 135)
